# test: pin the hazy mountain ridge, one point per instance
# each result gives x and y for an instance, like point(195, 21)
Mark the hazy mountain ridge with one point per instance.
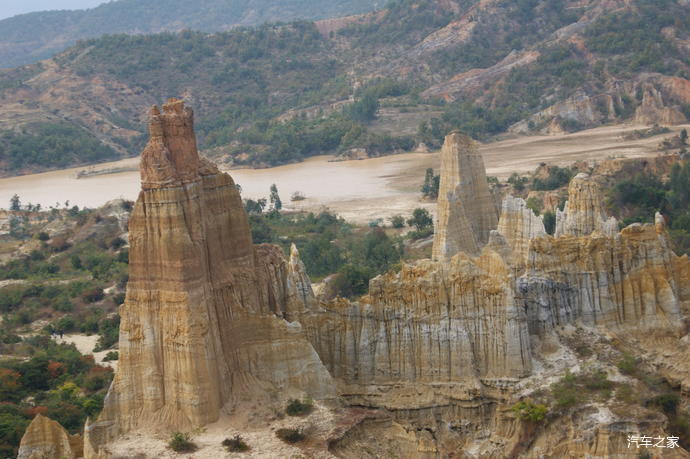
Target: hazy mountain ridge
point(279, 93)
point(29, 37)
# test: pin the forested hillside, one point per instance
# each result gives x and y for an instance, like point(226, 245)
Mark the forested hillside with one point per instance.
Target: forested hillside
point(29, 37)
point(375, 84)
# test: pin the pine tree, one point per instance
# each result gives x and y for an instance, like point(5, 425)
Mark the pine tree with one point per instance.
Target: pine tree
point(15, 203)
point(428, 182)
point(276, 203)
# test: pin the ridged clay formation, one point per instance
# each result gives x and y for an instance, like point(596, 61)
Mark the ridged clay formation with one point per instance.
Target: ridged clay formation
point(203, 320)
point(47, 439)
point(440, 350)
point(584, 212)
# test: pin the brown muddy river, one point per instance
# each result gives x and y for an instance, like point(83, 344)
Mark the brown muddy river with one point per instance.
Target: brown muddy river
point(359, 191)
point(336, 185)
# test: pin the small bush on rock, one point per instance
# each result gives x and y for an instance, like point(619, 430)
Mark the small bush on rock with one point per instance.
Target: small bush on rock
point(112, 355)
point(236, 444)
point(299, 408)
point(290, 435)
point(530, 411)
point(181, 442)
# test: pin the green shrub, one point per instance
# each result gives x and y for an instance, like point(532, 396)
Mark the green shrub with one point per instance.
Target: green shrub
point(181, 442)
point(628, 364)
point(328, 245)
point(321, 256)
point(93, 295)
point(518, 181)
point(421, 219)
point(535, 204)
point(596, 381)
point(397, 221)
point(574, 389)
point(558, 177)
point(299, 408)
point(415, 235)
point(236, 444)
point(109, 333)
point(51, 145)
point(530, 411)
point(550, 222)
point(352, 280)
point(644, 191)
point(117, 243)
point(431, 184)
point(667, 402)
point(66, 386)
point(290, 435)
point(625, 394)
point(565, 393)
point(363, 110)
point(112, 355)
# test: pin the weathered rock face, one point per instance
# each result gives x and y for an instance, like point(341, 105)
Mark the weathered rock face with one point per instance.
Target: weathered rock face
point(47, 439)
point(584, 211)
point(300, 296)
point(203, 320)
point(622, 281)
point(519, 225)
point(170, 157)
point(653, 111)
point(441, 348)
point(593, 274)
point(467, 210)
point(431, 343)
point(430, 335)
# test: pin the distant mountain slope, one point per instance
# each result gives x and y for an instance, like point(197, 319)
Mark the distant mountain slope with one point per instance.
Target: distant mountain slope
point(30, 37)
point(378, 83)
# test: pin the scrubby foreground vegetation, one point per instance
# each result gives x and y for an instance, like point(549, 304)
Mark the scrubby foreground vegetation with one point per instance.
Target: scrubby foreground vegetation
point(63, 271)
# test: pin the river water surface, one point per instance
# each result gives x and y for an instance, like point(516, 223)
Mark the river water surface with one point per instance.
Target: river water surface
point(360, 191)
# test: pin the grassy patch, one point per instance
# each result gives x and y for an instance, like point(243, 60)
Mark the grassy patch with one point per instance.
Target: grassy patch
point(578, 389)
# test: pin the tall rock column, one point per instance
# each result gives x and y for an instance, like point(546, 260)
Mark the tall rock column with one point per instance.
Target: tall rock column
point(203, 323)
point(467, 211)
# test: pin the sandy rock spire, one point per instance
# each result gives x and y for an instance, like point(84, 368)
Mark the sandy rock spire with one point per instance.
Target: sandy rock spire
point(301, 296)
point(203, 324)
point(47, 439)
point(584, 212)
point(170, 157)
point(467, 211)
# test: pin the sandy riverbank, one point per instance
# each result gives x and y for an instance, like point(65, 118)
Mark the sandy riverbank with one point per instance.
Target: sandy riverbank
point(360, 191)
